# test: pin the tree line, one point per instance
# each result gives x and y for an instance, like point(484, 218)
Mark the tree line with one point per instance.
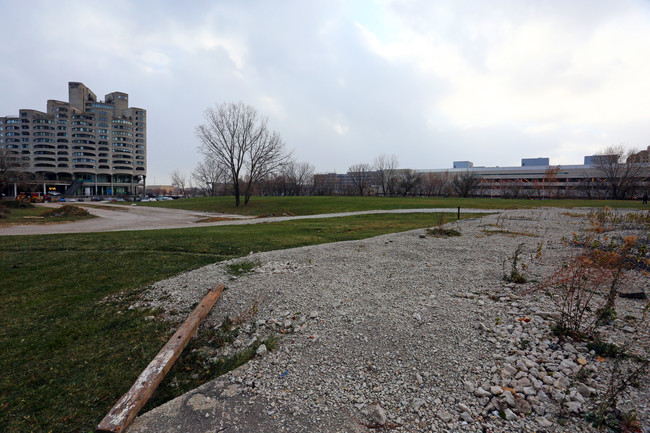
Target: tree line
point(242, 156)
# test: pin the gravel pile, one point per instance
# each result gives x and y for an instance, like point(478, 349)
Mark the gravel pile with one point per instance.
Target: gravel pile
point(403, 332)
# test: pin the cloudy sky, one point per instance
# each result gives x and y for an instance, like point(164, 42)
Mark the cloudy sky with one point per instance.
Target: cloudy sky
point(432, 81)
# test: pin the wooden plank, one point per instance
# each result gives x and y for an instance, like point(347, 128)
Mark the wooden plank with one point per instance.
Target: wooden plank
point(123, 413)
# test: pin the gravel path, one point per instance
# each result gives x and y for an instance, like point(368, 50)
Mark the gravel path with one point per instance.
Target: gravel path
point(124, 218)
point(399, 333)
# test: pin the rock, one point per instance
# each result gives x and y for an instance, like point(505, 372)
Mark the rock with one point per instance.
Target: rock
point(529, 390)
point(543, 422)
point(542, 396)
point(480, 392)
point(508, 398)
point(522, 406)
point(378, 415)
point(466, 417)
point(549, 315)
point(523, 382)
point(574, 407)
point(584, 390)
point(417, 317)
point(529, 364)
point(417, 403)
point(510, 415)
point(261, 350)
point(570, 348)
point(496, 390)
point(445, 416)
point(509, 370)
point(464, 408)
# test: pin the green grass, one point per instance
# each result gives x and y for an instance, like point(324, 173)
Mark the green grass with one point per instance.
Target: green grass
point(69, 345)
point(241, 268)
point(321, 204)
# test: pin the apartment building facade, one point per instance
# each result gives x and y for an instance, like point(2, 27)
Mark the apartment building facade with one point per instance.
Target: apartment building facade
point(82, 147)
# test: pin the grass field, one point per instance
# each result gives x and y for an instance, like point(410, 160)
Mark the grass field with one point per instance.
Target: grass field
point(325, 204)
point(69, 345)
point(33, 215)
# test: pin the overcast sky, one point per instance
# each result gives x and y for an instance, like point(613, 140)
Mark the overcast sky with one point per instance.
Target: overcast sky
point(432, 81)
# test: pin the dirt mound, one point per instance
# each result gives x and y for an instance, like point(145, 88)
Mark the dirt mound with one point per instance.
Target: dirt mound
point(66, 211)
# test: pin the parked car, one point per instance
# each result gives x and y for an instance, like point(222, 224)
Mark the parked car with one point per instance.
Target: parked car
point(97, 199)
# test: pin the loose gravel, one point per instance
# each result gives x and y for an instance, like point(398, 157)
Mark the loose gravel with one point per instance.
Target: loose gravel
point(403, 332)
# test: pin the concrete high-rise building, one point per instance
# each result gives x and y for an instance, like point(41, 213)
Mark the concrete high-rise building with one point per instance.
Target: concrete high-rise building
point(82, 147)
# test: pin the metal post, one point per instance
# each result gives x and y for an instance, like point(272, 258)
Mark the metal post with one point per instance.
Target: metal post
point(458, 217)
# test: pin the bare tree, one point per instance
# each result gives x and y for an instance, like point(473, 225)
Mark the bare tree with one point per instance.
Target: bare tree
point(620, 170)
point(464, 183)
point(11, 169)
point(544, 186)
point(386, 166)
point(436, 184)
point(298, 176)
point(408, 181)
point(209, 174)
point(238, 139)
point(179, 181)
point(360, 176)
point(263, 159)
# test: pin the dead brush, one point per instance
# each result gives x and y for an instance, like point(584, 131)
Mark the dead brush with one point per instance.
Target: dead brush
point(585, 288)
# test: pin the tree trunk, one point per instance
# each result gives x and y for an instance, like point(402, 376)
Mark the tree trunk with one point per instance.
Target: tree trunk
point(235, 186)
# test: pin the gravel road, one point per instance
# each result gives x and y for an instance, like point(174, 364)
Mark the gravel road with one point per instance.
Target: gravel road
point(402, 332)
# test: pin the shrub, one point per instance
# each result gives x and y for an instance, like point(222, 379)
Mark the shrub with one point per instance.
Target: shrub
point(515, 275)
point(440, 232)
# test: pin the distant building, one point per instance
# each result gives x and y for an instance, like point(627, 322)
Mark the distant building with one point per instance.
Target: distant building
point(463, 164)
point(156, 190)
point(81, 147)
point(535, 162)
point(536, 178)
